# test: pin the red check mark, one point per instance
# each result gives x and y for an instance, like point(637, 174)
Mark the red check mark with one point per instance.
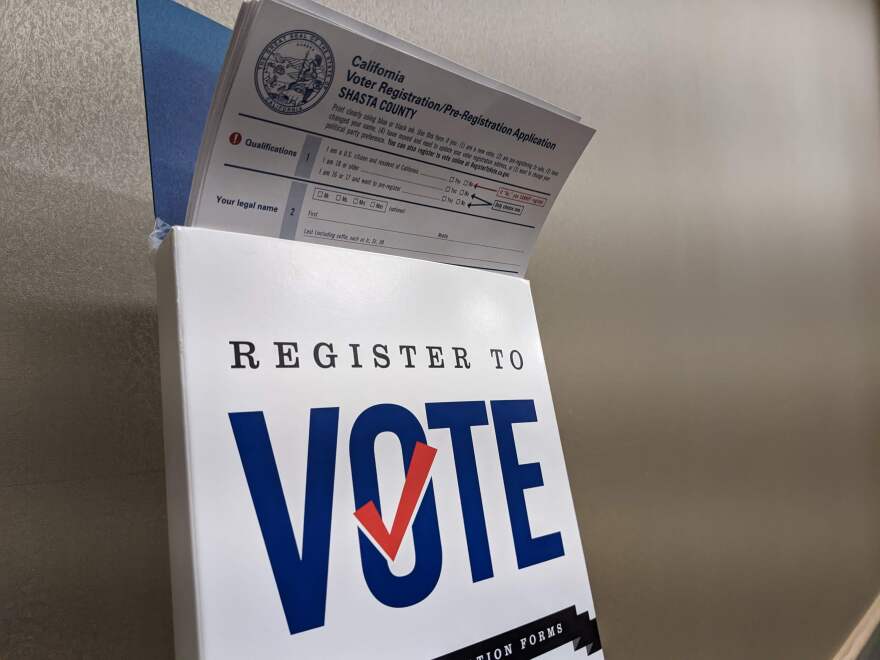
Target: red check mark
point(416, 478)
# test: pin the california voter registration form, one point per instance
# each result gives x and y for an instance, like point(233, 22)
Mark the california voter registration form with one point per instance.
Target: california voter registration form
point(325, 130)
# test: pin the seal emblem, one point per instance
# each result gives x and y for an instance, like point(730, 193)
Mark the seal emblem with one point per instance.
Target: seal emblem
point(294, 72)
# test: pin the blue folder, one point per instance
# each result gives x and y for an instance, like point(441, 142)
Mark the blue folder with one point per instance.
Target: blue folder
point(182, 54)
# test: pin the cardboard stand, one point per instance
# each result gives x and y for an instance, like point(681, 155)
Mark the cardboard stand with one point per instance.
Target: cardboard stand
point(362, 458)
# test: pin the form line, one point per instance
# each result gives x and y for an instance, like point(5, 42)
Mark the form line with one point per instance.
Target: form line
point(391, 153)
point(436, 254)
point(372, 194)
point(409, 233)
point(415, 183)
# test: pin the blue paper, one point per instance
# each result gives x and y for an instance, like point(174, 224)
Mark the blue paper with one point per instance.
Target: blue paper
point(182, 54)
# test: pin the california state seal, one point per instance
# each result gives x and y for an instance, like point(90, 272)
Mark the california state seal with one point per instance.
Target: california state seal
point(294, 72)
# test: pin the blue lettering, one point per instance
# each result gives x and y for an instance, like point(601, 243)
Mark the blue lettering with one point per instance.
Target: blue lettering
point(301, 570)
point(517, 478)
point(459, 417)
point(301, 578)
point(390, 589)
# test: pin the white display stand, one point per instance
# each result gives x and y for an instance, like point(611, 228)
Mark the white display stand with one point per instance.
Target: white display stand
point(302, 384)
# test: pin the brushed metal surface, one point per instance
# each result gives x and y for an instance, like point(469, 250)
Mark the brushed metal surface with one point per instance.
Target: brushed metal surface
point(707, 288)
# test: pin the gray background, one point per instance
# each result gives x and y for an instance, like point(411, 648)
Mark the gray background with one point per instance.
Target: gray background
point(707, 288)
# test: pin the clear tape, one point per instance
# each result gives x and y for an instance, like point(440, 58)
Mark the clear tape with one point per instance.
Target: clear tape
point(160, 231)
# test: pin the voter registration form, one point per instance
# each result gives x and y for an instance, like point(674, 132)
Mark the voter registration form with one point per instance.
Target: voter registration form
point(325, 130)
